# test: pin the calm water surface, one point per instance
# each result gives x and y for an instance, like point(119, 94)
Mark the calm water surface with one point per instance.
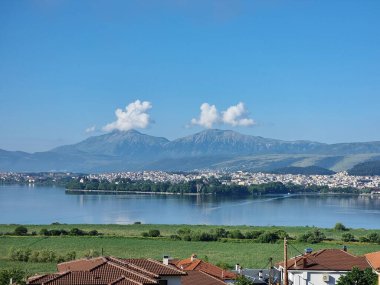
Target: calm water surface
point(44, 205)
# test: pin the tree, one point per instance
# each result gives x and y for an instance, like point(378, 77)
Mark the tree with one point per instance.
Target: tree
point(340, 227)
point(347, 237)
point(154, 233)
point(21, 231)
point(17, 276)
point(358, 277)
point(242, 280)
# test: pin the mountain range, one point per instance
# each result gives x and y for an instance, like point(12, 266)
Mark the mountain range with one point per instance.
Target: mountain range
point(209, 149)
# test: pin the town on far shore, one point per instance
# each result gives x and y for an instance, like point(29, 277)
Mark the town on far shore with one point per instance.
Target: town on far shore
point(241, 178)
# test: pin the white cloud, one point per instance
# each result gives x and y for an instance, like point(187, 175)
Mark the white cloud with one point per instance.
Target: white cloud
point(237, 116)
point(134, 116)
point(208, 117)
point(90, 129)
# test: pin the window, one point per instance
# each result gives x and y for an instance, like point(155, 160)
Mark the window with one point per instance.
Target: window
point(163, 282)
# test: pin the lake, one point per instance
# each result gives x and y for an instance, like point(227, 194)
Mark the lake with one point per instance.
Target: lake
point(44, 205)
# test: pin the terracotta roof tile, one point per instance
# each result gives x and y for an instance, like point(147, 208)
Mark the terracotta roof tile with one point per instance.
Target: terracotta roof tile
point(152, 266)
point(200, 265)
point(374, 260)
point(80, 264)
point(107, 271)
point(199, 277)
point(41, 278)
point(327, 259)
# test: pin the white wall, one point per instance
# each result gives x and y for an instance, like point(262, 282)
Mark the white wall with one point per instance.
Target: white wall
point(314, 277)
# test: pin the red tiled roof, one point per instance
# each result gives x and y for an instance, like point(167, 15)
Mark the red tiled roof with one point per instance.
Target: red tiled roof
point(327, 259)
point(199, 277)
point(374, 260)
point(42, 278)
point(200, 265)
point(80, 264)
point(108, 271)
point(153, 266)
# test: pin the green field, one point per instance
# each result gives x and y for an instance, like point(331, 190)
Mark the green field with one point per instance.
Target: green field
point(126, 241)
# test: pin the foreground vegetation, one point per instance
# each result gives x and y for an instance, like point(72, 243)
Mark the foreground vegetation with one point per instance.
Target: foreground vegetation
point(36, 251)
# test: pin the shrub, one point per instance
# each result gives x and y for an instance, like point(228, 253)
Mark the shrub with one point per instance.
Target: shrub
point(221, 233)
point(374, 237)
point(93, 233)
point(175, 237)
point(21, 231)
point(363, 239)
point(20, 254)
point(47, 256)
point(76, 232)
point(236, 234)
point(253, 234)
point(44, 232)
point(92, 253)
point(268, 237)
point(145, 234)
point(207, 237)
point(17, 276)
point(340, 227)
point(154, 233)
point(348, 237)
point(315, 236)
point(186, 238)
point(184, 231)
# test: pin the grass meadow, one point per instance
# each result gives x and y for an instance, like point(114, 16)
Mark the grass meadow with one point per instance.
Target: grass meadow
point(126, 241)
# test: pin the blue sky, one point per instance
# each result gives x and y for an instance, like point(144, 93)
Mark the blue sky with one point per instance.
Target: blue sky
point(302, 69)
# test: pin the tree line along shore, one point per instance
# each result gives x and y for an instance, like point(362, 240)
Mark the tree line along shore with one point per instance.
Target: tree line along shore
point(211, 186)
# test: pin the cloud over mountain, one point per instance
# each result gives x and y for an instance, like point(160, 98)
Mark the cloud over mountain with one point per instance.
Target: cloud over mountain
point(135, 115)
point(235, 115)
point(208, 117)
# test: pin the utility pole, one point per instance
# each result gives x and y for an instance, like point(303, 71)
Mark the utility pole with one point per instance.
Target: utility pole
point(285, 262)
point(270, 271)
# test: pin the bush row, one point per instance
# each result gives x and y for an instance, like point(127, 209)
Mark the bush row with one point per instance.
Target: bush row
point(72, 232)
point(187, 234)
point(28, 255)
point(23, 231)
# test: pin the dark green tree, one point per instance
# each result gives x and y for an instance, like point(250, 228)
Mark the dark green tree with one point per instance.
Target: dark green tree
point(358, 277)
point(17, 276)
point(21, 231)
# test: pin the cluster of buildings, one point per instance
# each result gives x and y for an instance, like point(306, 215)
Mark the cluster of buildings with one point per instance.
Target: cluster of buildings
point(323, 267)
point(338, 180)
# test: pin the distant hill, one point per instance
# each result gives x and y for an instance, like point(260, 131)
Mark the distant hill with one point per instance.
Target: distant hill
point(310, 170)
point(368, 168)
point(210, 149)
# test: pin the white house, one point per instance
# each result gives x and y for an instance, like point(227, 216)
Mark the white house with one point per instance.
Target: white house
point(323, 267)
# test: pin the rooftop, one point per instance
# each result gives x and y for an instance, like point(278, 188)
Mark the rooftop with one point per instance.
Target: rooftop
point(327, 260)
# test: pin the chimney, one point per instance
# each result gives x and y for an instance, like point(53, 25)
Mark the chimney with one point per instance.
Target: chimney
point(237, 267)
point(11, 281)
point(193, 257)
point(345, 248)
point(261, 275)
point(165, 260)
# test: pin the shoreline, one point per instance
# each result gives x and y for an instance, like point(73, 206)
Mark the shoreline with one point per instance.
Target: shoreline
point(121, 192)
